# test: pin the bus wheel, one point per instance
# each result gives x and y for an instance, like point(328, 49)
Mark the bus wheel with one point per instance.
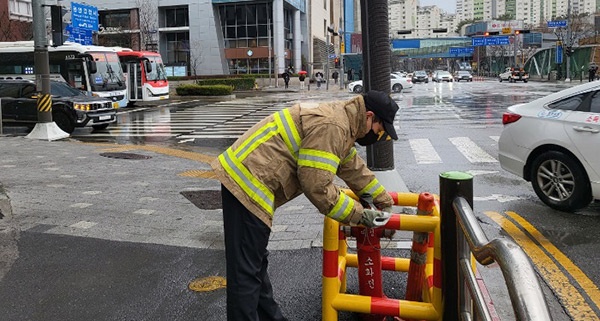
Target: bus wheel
point(100, 127)
point(64, 122)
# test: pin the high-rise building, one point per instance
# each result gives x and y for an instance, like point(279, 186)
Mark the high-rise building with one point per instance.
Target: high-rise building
point(402, 16)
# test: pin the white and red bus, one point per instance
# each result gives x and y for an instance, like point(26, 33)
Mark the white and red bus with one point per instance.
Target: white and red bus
point(145, 75)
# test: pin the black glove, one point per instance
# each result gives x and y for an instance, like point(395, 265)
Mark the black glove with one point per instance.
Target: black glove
point(368, 217)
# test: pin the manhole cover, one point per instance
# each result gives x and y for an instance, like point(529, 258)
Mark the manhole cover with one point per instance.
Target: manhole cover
point(125, 156)
point(209, 283)
point(205, 200)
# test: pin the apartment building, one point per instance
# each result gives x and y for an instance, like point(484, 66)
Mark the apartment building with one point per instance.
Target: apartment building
point(402, 16)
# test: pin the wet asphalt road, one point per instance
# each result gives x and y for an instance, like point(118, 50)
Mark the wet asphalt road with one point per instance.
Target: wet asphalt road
point(155, 273)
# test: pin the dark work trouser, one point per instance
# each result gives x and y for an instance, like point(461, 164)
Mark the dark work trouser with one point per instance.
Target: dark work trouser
point(249, 290)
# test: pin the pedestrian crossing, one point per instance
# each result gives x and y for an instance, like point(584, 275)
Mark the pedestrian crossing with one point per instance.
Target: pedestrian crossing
point(229, 120)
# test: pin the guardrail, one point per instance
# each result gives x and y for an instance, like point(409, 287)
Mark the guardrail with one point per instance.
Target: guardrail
point(461, 236)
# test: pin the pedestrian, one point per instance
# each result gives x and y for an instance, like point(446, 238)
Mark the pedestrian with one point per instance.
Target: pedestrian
point(592, 73)
point(297, 150)
point(302, 77)
point(319, 79)
point(286, 79)
point(350, 74)
point(335, 76)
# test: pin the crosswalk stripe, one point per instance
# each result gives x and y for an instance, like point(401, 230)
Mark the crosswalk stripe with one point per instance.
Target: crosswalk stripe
point(471, 151)
point(424, 152)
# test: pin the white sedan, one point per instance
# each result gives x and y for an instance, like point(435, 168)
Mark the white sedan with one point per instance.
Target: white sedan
point(397, 82)
point(554, 142)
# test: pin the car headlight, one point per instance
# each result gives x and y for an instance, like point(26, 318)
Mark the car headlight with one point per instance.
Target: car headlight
point(82, 107)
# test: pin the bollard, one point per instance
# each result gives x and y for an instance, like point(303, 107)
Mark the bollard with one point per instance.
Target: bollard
point(418, 255)
point(452, 185)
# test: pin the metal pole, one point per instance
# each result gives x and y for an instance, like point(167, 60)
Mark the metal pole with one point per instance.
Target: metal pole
point(327, 61)
point(569, 41)
point(515, 50)
point(342, 48)
point(452, 186)
point(41, 63)
point(0, 116)
point(270, 66)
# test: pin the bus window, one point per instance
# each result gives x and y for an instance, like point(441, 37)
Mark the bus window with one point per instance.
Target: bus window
point(75, 76)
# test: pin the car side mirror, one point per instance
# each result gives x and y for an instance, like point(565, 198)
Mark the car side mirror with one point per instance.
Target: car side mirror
point(148, 66)
point(92, 67)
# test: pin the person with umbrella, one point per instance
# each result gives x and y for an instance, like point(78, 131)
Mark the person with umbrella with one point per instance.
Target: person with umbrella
point(302, 76)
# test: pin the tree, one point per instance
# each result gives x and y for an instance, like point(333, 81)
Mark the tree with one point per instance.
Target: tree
point(147, 15)
point(506, 17)
point(195, 57)
point(463, 23)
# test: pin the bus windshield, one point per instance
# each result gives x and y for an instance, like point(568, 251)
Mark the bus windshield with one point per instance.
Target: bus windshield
point(108, 71)
point(158, 69)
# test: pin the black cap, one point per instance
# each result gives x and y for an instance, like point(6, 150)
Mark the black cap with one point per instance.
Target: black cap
point(382, 105)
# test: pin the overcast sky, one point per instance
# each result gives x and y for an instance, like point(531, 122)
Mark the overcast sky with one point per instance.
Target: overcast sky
point(448, 5)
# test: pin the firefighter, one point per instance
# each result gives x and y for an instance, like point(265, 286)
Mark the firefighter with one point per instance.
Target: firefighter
point(297, 150)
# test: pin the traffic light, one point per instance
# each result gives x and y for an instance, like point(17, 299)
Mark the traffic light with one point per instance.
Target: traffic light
point(56, 14)
point(569, 50)
point(517, 32)
point(491, 33)
point(336, 62)
point(522, 31)
point(404, 32)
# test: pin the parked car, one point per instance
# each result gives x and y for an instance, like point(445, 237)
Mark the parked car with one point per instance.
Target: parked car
point(70, 107)
point(420, 76)
point(442, 75)
point(397, 83)
point(553, 142)
point(463, 75)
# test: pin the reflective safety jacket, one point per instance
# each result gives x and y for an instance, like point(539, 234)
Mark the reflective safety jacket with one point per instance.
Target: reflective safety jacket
point(300, 150)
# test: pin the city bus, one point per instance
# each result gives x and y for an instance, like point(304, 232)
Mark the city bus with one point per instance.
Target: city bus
point(145, 75)
point(94, 70)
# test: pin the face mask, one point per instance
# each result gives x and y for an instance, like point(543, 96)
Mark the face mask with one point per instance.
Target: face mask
point(369, 139)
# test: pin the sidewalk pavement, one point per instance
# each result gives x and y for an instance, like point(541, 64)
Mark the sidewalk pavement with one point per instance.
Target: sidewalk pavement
point(67, 191)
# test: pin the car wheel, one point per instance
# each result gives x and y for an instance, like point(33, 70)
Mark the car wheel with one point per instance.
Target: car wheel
point(358, 89)
point(524, 81)
point(100, 127)
point(64, 122)
point(560, 181)
point(500, 79)
point(397, 88)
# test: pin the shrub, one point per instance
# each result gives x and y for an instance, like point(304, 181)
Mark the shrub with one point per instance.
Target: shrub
point(198, 90)
point(245, 83)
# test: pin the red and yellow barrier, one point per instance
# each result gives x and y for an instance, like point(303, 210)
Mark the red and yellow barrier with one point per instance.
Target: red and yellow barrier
point(424, 302)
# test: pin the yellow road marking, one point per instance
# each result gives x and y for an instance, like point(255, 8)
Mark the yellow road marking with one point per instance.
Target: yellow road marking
point(586, 284)
point(572, 300)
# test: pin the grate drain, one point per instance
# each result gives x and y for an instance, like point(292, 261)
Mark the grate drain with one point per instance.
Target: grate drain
point(125, 156)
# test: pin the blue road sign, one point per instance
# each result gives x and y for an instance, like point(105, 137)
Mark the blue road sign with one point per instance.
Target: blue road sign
point(461, 51)
point(84, 16)
point(490, 41)
point(557, 24)
point(559, 54)
point(78, 35)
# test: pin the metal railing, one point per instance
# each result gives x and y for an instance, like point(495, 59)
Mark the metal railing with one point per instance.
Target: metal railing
point(462, 235)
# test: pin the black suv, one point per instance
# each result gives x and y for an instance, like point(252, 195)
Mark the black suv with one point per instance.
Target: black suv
point(70, 107)
point(420, 76)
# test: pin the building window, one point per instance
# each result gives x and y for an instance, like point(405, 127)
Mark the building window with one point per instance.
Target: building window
point(175, 17)
point(245, 25)
point(115, 19)
point(178, 48)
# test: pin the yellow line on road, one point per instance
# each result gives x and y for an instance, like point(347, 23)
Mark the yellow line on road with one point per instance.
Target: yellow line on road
point(572, 300)
point(586, 284)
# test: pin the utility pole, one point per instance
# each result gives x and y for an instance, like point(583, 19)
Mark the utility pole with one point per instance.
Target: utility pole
point(270, 63)
point(45, 128)
point(327, 59)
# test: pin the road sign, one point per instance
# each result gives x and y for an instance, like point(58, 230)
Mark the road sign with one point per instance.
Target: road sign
point(557, 24)
point(559, 54)
point(78, 35)
point(461, 51)
point(490, 41)
point(84, 16)
point(506, 31)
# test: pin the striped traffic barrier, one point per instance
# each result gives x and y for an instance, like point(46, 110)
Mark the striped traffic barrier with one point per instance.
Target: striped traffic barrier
point(336, 259)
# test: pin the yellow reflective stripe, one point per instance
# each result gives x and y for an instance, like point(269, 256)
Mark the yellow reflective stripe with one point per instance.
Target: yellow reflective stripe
point(373, 188)
point(260, 136)
point(318, 159)
point(350, 156)
point(253, 187)
point(342, 208)
point(289, 132)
